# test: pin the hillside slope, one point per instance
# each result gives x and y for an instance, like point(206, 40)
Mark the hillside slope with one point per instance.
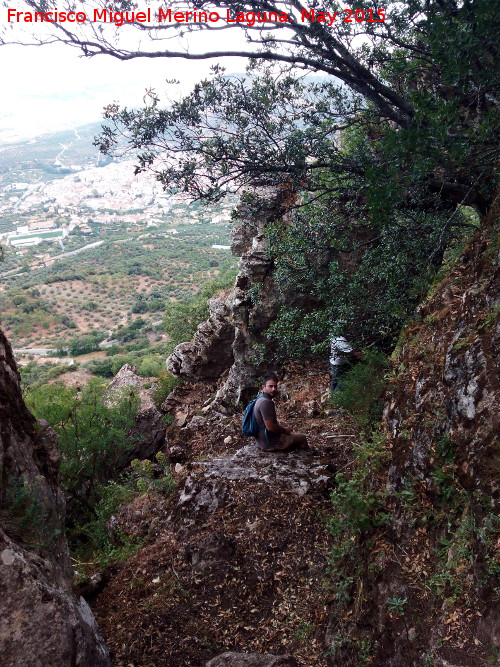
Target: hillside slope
point(237, 557)
point(443, 424)
point(398, 568)
point(373, 550)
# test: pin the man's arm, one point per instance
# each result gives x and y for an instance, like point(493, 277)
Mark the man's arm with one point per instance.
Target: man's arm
point(268, 415)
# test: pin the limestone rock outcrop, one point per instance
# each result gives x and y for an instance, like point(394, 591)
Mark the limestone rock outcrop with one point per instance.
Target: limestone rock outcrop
point(297, 472)
point(450, 389)
point(210, 354)
point(149, 430)
point(42, 622)
point(229, 345)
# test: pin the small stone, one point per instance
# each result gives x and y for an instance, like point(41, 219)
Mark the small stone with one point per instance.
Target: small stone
point(197, 423)
point(178, 468)
point(412, 634)
point(8, 556)
point(176, 454)
point(228, 440)
point(181, 418)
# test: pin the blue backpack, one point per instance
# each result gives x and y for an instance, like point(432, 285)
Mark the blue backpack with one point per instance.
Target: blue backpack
point(249, 425)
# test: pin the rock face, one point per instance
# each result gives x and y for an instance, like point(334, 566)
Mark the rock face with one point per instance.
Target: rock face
point(227, 344)
point(42, 622)
point(149, 429)
point(252, 660)
point(451, 389)
point(442, 425)
point(210, 354)
point(231, 345)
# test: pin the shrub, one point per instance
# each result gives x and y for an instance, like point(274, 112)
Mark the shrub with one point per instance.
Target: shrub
point(114, 349)
point(359, 506)
point(68, 322)
point(92, 434)
point(119, 360)
point(22, 515)
point(367, 291)
point(85, 344)
point(101, 367)
point(111, 496)
point(360, 389)
point(33, 374)
point(150, 479)
point(166, 384)
point(150, 366)
point(183, 317)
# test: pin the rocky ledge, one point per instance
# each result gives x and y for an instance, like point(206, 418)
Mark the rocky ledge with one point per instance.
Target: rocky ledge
point(298, 472)
point(235, 557)
point(148, 432)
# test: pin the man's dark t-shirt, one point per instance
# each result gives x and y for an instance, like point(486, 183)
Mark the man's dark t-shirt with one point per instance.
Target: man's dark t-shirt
point(264, 409)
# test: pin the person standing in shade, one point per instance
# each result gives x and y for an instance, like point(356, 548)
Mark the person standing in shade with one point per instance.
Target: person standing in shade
point(273, 435)
point(342, 355)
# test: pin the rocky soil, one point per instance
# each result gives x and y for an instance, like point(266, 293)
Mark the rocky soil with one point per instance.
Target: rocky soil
point(237, 557)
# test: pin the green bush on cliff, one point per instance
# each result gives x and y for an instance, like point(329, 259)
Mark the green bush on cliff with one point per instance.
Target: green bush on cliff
point(361, 388)
point(22, 514)
point(91, 541)
point(359, 507)
point(166, 384)
point(346, 273)
point(96, 544)
point(92, 434)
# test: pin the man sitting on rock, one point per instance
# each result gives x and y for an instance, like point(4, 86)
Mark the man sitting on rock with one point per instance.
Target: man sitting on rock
point(274, 436)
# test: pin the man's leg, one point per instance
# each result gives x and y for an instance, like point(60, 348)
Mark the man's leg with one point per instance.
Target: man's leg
point(336, 372)
point(290, 441)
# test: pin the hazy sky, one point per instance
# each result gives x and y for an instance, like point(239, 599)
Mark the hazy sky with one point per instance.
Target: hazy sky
point(52, 87)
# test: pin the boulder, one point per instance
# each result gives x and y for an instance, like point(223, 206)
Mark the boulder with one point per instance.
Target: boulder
point(43, 622)
point(206, 489)
point(210, 353)
point(297, 472)
point(149, 428)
